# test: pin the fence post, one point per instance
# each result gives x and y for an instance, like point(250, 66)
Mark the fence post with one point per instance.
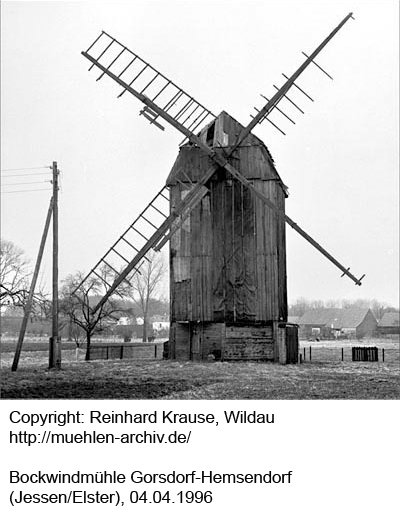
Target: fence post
point(155, 351)
point(300, 358)
point(310, 353)
point(106, 352)
point(121, 352)
point(383, 355)
point(342, 355)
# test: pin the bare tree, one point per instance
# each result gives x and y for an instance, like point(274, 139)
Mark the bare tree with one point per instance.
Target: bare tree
point(300, 306)
point(378, 308)
point(14, 274)
point(78, 307)
point(147, 284)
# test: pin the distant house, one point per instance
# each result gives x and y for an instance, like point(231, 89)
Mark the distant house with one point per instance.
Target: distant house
point(317, 323)
point(11, 320)
point(159, 326)
point(389, 324)
point(328, 323)
point(355, 322)
point(124, 321)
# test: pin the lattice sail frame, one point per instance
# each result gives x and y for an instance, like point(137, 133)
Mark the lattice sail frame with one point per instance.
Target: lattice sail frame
point(133, 71)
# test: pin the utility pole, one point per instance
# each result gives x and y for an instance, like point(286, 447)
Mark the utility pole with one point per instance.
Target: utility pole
point(28, 306)
point(55, 350)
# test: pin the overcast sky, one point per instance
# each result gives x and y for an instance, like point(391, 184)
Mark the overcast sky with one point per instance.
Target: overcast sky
point(340, 160)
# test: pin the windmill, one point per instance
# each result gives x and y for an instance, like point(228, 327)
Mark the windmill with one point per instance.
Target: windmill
point(223, 211)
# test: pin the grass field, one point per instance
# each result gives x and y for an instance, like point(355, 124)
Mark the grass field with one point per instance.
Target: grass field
point(326, 377)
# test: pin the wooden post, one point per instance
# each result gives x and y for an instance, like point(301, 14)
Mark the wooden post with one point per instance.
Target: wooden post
point(55, 351)
point(28, 306)
point(342, 355)
point(121, 353)
point(310, 354)
point(383, 355)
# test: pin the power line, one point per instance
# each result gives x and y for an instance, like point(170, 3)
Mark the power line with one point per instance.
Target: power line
point(26, 168)
point(24, 191)
point(23, 183)
point(22, 175)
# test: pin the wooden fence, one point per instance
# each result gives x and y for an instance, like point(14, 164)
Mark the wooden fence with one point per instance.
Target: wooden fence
point(127, 350)
point(345, 353)
point(364, 353)
point(155, 350)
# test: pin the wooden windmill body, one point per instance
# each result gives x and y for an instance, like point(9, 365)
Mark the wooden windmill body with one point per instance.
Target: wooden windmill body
point(225, 220)
point(228, 259)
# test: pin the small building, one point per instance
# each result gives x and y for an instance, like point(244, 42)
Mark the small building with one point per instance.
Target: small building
point(316, 323)
point(160, 326)
point(389, 324)
point(355, 322)
point(330, 323)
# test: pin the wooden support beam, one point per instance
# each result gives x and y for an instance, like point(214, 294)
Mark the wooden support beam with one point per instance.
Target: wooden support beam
point(29, 301)
point(291, 223)
point(202, 193)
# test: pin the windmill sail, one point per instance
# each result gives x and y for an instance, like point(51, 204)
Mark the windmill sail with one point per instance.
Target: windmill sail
point(132, 239)
point(178, 119)
point(291, 81)
point(161, 96)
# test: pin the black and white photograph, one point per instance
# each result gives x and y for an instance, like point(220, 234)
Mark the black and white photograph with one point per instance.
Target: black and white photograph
point(199, 201)
point(200, 265)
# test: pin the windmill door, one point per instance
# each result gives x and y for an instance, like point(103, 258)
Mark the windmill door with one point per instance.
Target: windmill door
point(292, 344)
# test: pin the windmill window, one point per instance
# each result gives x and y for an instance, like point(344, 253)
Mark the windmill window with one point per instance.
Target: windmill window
point(210, 134)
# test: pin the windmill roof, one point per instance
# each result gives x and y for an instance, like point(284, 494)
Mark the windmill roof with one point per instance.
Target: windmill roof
point(234, 126)
point(334, 317)
point(191, 160)
point(390, 319)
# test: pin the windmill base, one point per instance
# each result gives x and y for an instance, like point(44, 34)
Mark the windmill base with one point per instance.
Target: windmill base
point(204, 341)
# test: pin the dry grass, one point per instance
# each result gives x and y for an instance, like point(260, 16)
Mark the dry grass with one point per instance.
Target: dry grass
point(32, 346)
point(157, 379)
